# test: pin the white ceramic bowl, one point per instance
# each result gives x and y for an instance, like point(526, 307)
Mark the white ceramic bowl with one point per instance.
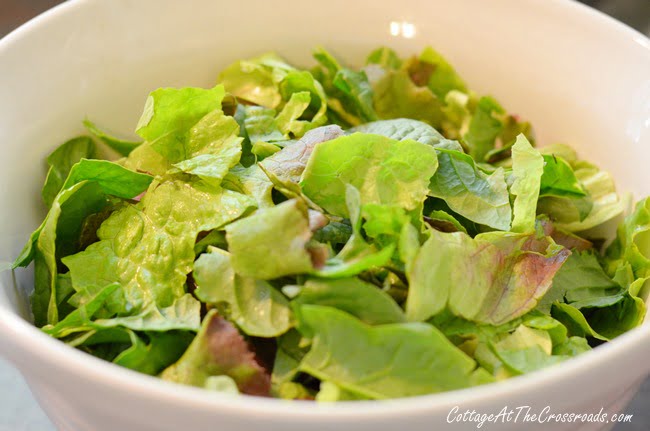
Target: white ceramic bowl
point(579, 76)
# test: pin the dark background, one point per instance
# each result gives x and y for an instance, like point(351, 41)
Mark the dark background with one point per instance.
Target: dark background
point(18, 411)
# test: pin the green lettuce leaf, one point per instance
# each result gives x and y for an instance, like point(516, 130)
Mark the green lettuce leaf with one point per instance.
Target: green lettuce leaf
point(254, 305)
point(112, 178)
point(61, 161)
point(484, 128)
point(579, 214)
point(527, 170)
point(397, 96)
point(493, 278)
point(272, 242)
point(559, 179)
point(470, 192)
point(85, 193)
point(219, 350)
point(268, 81)
point(170, 114)
point(250, 181)
point(149, 247)
point(438, 74)
point(121, 146)
point(346, 89)
point(365, 301)
point(384, 57)
point(404, 128)
point(582, 282)
point(155, 352)
point(382, 169)
point(385, 361)
point(256, 80)
point(632, 243)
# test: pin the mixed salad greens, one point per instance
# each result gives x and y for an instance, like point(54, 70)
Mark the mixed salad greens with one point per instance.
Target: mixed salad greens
point(334, 234)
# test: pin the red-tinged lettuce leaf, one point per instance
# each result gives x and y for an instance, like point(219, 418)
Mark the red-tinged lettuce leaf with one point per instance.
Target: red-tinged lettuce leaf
point(563, 238)
point(289, 163)
point(219, 350)
point(493, 278)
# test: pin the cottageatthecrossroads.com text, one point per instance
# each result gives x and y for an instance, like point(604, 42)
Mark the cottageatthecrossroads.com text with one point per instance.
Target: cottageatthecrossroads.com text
point(525, 414)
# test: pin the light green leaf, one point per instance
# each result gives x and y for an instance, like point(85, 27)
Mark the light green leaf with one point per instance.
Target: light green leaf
point(382, 169)
point(250, 181)
point(632, 243)
point(170, 113)
point(527, 170)
point(272, 242)
point(386, 361)
point(149, 247)
point(600, 205)
point(212, 168)
point(384, 57)
point(484, 128)
point(443, 78)
point(256, 80)
point(396, 96)
point(404, 128)
point(254, 305)
point(470, 192)
point(365, 301)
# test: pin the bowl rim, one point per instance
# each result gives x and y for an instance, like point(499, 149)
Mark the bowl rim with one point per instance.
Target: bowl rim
point(22, 336)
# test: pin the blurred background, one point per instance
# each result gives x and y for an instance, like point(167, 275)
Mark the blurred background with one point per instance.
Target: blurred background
point(19, 411)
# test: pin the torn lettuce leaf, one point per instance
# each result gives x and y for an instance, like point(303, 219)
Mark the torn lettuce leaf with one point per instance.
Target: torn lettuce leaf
point(149, 247)
point(404, 128)
point(559, 179)
point(61, 161)
point(121, 146)
point(470, 192)
point(527, 170)
point(365, 301)
point(272, 242)
point(382, 169)
point(378, 362)
point(170, 114)
point(254, 305)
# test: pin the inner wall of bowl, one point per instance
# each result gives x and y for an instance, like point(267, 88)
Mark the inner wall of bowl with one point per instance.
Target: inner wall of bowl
point(579, 79)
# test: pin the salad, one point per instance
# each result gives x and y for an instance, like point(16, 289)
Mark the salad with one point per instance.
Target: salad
point(334, 234)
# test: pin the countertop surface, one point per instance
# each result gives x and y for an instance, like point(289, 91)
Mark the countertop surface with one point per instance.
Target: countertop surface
point(18, 409)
